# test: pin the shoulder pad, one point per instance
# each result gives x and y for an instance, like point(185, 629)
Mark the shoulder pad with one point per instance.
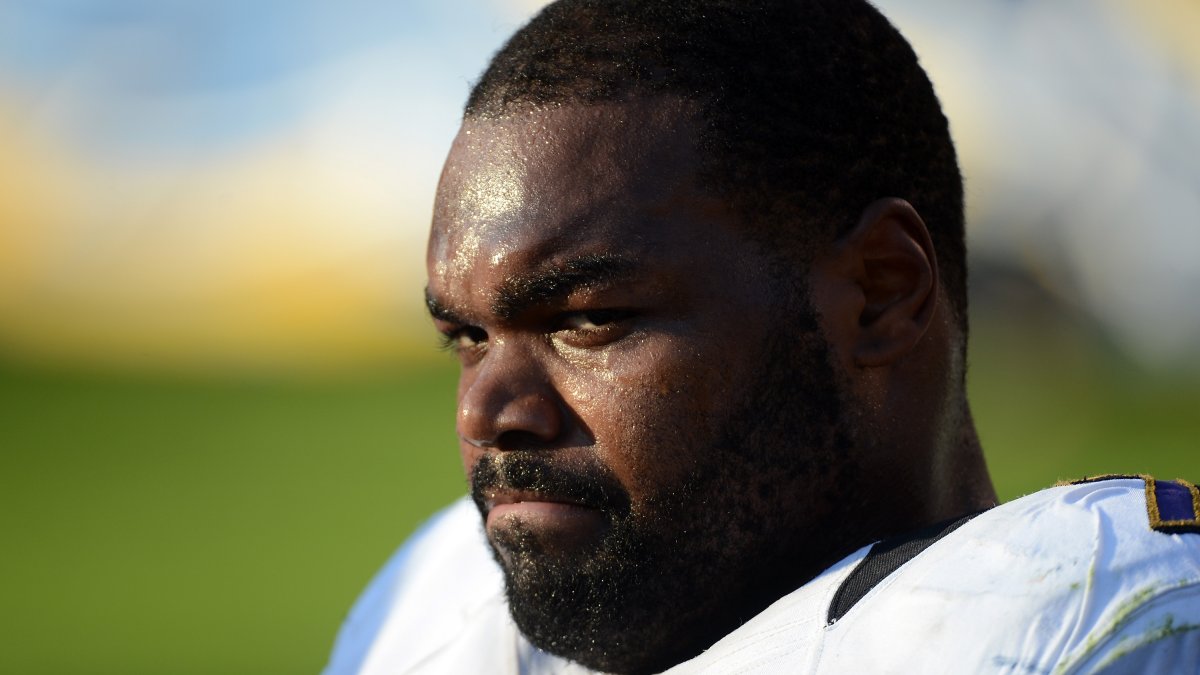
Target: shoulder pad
point(1173, 506)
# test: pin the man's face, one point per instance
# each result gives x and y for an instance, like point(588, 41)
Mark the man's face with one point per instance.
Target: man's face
point(646, 409)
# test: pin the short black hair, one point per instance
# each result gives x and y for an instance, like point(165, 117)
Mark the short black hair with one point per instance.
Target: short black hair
point(811, 109)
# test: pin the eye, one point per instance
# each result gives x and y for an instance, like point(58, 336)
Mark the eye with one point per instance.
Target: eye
point(593, 320)
point(593, 328)
point(463, 339)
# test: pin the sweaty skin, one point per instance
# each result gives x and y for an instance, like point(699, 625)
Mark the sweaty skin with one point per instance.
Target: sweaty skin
point(660, 436)
point(596, 366)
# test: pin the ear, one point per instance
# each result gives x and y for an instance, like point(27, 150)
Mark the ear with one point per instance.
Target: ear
point(878, 285)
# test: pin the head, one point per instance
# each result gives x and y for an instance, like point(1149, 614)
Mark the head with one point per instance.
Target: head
point(707, 345)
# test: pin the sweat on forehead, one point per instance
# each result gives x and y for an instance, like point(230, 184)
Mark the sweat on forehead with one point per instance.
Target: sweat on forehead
point(531, 182)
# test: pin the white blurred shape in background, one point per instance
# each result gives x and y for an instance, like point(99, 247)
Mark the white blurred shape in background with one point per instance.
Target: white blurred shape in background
point(240, 183)
point(1078, 125)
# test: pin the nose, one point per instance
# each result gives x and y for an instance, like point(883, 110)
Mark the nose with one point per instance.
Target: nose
point(508, 402)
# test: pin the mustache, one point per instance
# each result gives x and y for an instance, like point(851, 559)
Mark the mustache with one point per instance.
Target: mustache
point(587, 483)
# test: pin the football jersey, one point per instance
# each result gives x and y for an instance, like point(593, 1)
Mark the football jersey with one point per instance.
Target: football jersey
point(438, 607)
point(1097, 577)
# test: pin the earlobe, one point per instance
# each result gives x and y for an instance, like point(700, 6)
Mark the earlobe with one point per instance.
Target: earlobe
point(896, 271)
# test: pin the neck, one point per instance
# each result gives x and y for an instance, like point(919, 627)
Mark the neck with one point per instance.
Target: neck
point(963, 474)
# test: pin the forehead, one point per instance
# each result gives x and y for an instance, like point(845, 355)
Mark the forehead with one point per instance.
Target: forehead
point(579, 180)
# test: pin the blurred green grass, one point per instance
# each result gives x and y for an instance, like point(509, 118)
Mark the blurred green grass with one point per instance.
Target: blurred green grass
point(182, 526)
point(175, 525)
point(1055, 401)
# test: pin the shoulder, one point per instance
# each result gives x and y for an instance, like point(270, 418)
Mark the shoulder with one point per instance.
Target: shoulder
point(1116, 537)
point(438, 607)
point(423, 598)
point(1046, 583)
point(1134, 602)
point(1062, 580)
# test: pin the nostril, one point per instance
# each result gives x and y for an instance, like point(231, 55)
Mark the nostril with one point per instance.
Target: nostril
point(518, 439)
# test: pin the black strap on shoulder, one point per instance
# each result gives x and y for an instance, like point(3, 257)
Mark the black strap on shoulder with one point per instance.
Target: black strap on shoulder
point(884, 558)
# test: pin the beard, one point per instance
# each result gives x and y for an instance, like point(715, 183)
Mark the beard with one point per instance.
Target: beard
point(752, 519)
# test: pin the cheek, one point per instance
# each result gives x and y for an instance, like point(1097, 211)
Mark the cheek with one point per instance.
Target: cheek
point(650, 407)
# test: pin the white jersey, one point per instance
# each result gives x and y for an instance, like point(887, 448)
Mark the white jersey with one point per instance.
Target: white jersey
point(438, 607)
point(1072, 579)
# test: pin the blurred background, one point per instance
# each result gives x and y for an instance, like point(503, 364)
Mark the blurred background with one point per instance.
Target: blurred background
point(221, 407)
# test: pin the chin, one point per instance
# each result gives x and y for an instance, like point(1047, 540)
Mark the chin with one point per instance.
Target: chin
point(609, 608)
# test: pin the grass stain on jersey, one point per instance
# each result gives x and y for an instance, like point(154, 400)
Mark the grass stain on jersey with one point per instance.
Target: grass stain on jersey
point(1162, 631)
point(1122, 615)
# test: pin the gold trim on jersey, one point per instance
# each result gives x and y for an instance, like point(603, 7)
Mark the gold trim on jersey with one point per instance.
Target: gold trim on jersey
point(1157, 522)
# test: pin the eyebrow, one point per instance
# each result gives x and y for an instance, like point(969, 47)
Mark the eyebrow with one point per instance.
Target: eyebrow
point(520, 292)
point(439, 311)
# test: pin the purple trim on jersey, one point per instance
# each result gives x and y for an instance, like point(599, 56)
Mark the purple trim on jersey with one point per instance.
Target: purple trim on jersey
point(1174, 501)
point(1173, 506)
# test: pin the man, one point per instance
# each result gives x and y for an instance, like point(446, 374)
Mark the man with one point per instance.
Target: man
point(703, 266)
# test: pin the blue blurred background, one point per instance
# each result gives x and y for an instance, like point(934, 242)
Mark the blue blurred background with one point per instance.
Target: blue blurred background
point(220, 402)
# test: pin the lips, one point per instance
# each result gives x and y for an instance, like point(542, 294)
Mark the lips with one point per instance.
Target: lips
point(535, 511)
point(528, 505)
point(533, 508)
point(562, 504)
point(504, 497)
